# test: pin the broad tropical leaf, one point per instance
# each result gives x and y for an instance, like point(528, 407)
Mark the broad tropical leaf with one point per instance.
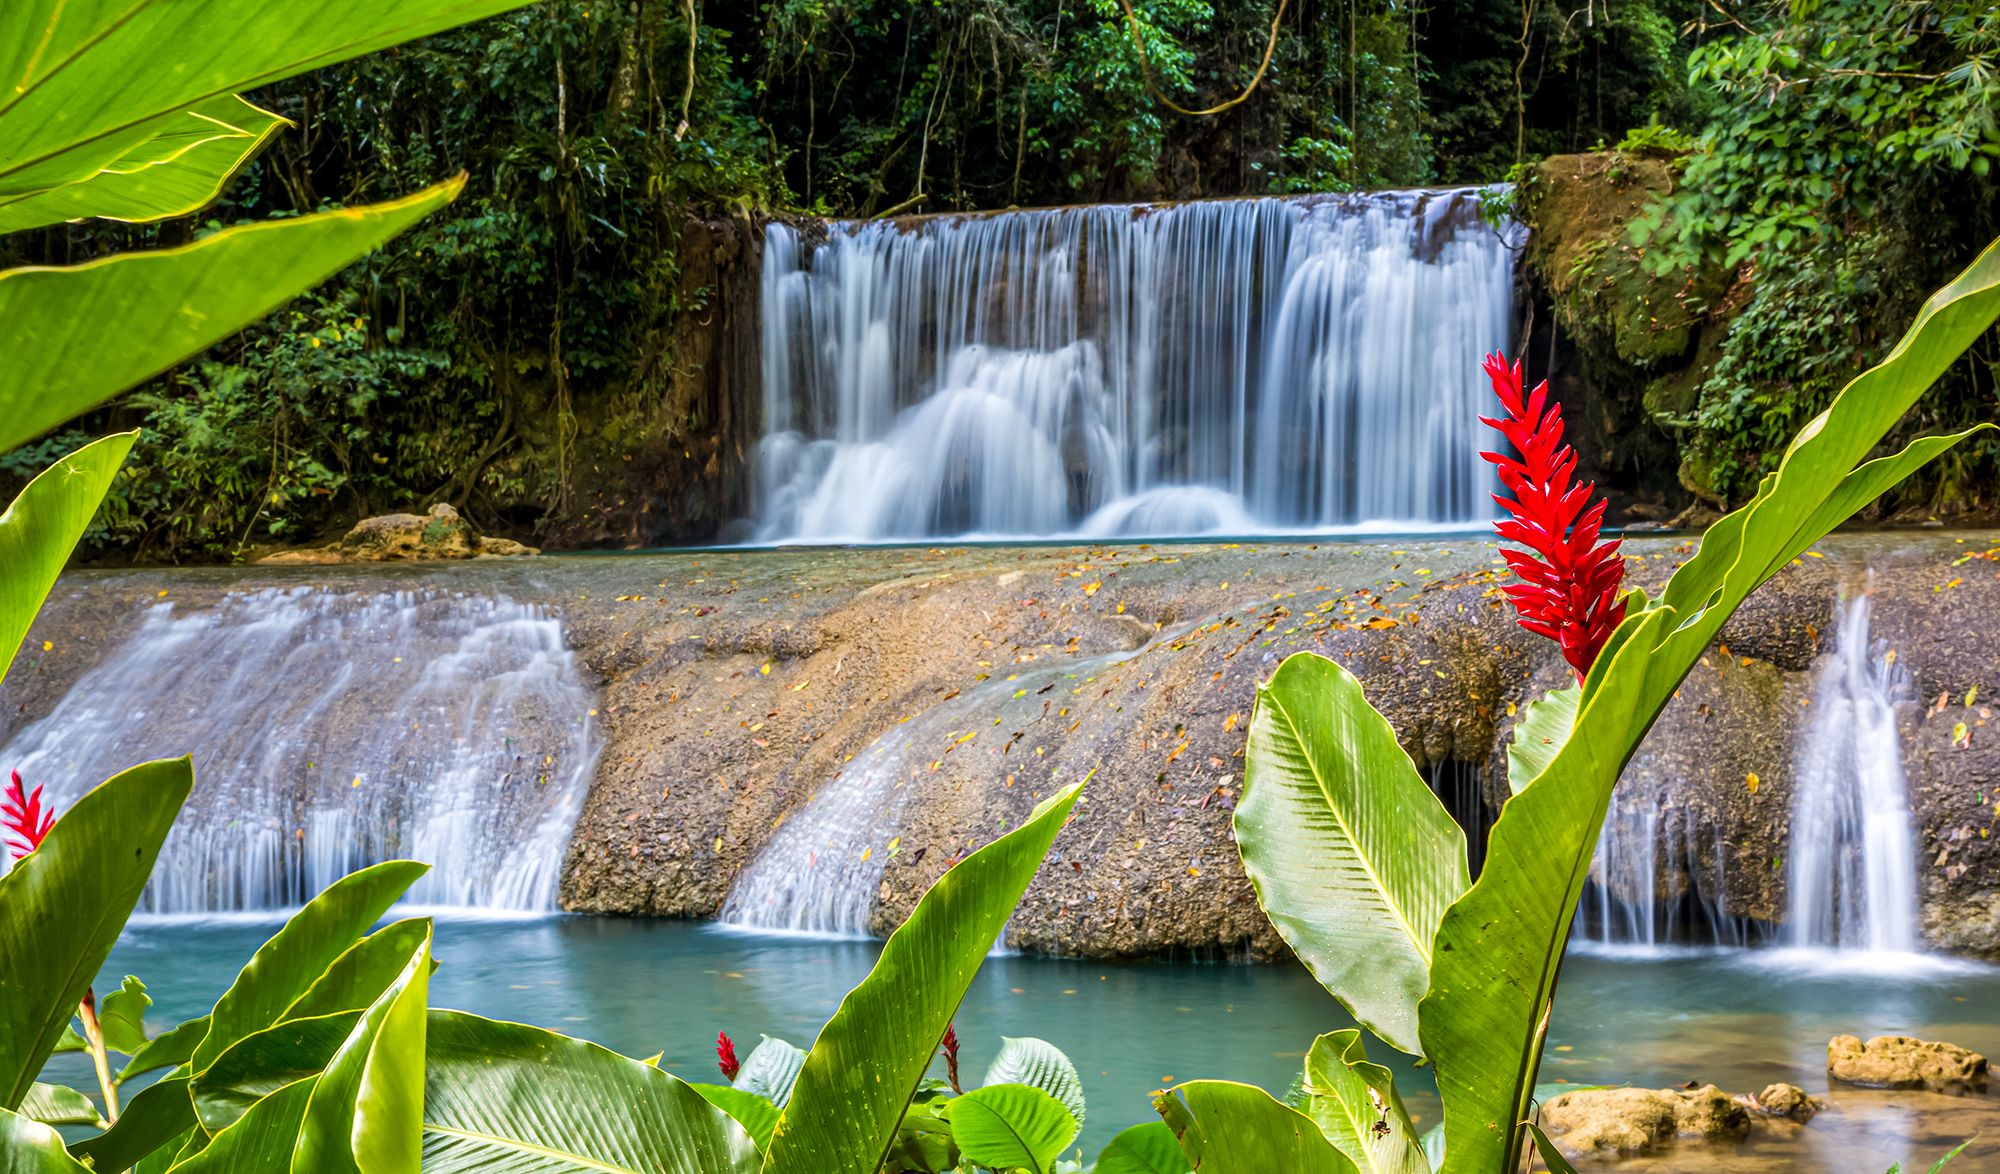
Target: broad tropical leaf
point(1544, 727)
point(923, 1139)
point(491, 1088)
point(363, 972)
point(1499, 947)
point(87, 83)
point(755, 1114)
point(366, 1115)
point(62, 906)
point(159, 1113)
point(122, 1016)
point(30, 1147)
point(287, 966)
point(1143, 1149)
point(1038, 1063)
point(166, 304)
point(1229, 1128)
point(871, 1056)
point(261, 1142)
point(1551, 1156)
point(41, 528)
point(180, 169)
point(53, 1104)
point(1011, 1126)
point(1353, 857)
point(169, 1049)
point(263, 1062)
point(1355, 1105)
point(770, 1070)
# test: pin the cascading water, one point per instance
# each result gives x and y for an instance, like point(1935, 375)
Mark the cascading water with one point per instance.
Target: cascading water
point(332, 730)
point(1217, 366)
point(1652, 884)
point(1853, 874)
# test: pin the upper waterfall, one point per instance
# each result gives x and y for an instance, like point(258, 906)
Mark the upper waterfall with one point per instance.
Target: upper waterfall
point(335, 729)
point(1307, 363)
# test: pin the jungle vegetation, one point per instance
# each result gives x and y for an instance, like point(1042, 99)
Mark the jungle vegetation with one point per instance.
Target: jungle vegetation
point(500, 352)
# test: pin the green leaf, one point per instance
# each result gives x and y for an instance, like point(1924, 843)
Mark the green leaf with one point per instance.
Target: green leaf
point(154, 1118)
point(1229, 1128)
point(88, 83)
point(1353, 857)
point(1499, 947)
point(169, 1049)
point(1010, 1126)
point(30, 1147)
point(263, 1062)
point(42, 526)
point(756, 1115)
point(1038, 1064)
point(62, 906)
point(1355, 1105)
point(366, 1115)
point(491, 1085)
point(1143, 1149)
point(1551, 1156)
point(868, 1061)
point(122, 1016)
point(770, 1070)
point(53, 1104)
point(166, 304)
point(1544, 727)
point(180, 169)
point(287, 966)
point(357, 977)
point(924, 1139)
point(262, 1140)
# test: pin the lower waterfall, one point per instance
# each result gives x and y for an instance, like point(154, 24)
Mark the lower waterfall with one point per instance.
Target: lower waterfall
point(332, 730)
point(1852, 875)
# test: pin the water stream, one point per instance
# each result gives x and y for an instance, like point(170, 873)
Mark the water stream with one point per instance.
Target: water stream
point(1214, 366)
point(334, 729)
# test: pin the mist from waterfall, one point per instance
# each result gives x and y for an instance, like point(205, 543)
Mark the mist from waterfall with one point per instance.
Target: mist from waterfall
point(332, 730)
point(1256, 365)
point(1852, 877)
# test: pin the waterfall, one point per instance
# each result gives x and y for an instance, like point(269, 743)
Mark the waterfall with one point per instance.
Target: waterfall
point(1308, 363)
point(1657, 878)
point(1853, 873)
point(332, 730)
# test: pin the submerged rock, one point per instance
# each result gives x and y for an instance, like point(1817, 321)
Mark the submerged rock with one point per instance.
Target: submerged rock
point(1788, 1101)
point(1901, 1061)
point(1623, 1121)
point(440, 534)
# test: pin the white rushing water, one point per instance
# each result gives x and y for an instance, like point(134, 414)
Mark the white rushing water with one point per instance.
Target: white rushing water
point(332, 730)
point(1216, 366)
point(1852, 876)
point(1658, 878)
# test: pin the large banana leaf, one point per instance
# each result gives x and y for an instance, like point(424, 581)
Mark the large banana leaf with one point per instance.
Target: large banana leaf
point(160, 1113)
point(42, 526)
point(30, 1147)
point(1353, 857)
point(868, 1061)
point(287, 966)
point(70, 338)
point(1500, 945)
point(1011, 1127)
point(169, 1049)
point(261, 1141)
point(502, 1097)
point(86, 83)
point(1143, 1149)
point(1355, 1104)
point(55, 1104)
point(357, 977)
point(1230, 1128)
point(62, 906)
point(263, 1062)
point(1038, 1063)
point(179, 170)
point(366, 1115)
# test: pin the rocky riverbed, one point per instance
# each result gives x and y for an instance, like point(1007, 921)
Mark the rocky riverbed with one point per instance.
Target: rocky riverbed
point(737, 685)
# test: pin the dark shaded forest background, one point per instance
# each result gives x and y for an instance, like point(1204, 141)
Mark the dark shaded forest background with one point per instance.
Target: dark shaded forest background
point(1829, 162)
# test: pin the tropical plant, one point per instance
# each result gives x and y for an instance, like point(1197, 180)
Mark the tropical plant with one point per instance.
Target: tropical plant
point(1360, 868)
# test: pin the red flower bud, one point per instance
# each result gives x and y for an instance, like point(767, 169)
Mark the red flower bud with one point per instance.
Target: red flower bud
point(950, 1050)
point(23, 823)
point(725, 1056)
point(1570, 592)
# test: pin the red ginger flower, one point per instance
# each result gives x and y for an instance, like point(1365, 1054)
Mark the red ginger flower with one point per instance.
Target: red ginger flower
point(23, 823)
point(950, 1050)
point(1570, 592)
point(725, 1056)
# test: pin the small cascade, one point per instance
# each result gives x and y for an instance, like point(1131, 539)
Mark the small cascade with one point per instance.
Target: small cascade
point(1657, 879)
point(1209, 367)
point(332, 730)
point(1853, 873)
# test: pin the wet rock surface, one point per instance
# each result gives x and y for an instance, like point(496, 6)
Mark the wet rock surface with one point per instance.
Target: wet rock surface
point(1900, 1061)
point(736, 685)
point(1623, 1121)
point(439, 534)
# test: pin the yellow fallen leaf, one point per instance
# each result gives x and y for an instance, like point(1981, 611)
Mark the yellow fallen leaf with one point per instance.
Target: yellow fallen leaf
point(48, 646)
point(1091, 587)
point(718, 843)
point(866, 853)
point(1751, 780)
point(1971, 695)
point(766, 670)
point(1229, 723)
point(356, 782)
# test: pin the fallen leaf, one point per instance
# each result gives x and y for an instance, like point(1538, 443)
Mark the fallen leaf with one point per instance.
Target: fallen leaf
point(1751, 781)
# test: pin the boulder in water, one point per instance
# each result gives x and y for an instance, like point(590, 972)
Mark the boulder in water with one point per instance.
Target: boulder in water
point(1789, 1101)
point(1633, 1120)
point(1901, 1061)
point(440, 534)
